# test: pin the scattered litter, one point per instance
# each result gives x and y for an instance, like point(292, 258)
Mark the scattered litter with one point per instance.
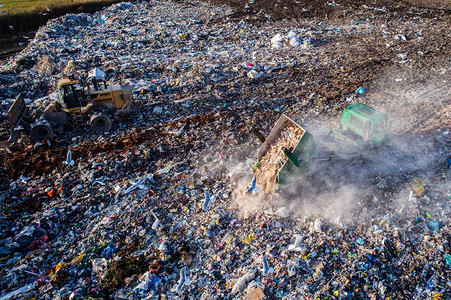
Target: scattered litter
point(252, 186)
point(150, 209)
point(182, 281)
point(69, 161)
point(207, 201)
point(360, 91)
point(242, 282)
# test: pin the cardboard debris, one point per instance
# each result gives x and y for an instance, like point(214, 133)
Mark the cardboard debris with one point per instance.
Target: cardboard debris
point(256, 294)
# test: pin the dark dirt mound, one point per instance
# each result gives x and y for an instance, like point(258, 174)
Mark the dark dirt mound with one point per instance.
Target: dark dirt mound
point(293, 9)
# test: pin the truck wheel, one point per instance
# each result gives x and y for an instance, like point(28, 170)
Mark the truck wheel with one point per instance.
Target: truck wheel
point(100, 122)
point(40, 131)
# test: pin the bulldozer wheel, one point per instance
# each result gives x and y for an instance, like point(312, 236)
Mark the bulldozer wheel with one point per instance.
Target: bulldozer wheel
point(100, 122)
point(41, 132)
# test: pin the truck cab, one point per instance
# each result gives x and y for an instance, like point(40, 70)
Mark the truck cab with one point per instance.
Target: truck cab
point(359, 122)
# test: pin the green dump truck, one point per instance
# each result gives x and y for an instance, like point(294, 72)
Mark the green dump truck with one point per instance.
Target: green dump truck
point(361, 125)
point(290, 151)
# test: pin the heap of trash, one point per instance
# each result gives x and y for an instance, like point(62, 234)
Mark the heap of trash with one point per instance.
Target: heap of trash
point(150, 210)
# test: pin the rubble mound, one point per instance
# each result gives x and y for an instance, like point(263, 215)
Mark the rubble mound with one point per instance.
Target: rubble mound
point(150, 210)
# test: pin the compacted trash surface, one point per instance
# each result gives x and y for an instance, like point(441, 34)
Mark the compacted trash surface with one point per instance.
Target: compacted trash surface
point(163, 205)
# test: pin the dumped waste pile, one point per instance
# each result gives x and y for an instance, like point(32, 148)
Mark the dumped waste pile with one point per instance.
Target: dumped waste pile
point(268, 166)
point(154, 208)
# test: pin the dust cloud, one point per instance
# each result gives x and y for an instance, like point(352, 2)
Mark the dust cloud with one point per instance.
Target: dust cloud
point(379, 182)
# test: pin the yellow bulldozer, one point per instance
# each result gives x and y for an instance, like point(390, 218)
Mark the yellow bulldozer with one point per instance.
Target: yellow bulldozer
point(80, 102)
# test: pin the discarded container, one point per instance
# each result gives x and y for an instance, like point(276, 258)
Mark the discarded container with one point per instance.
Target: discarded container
point(434, 225)
point(360, 91)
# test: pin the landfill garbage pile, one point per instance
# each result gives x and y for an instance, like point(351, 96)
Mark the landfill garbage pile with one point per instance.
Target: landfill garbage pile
point(149, 210)
point(267, 168)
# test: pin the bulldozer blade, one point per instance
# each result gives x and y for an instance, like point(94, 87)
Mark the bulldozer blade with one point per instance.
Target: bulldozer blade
point(15, 116)
point(16, 111)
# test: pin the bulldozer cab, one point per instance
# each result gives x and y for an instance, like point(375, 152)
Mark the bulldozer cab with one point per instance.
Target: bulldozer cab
point(365, 122)
point(71, 94)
